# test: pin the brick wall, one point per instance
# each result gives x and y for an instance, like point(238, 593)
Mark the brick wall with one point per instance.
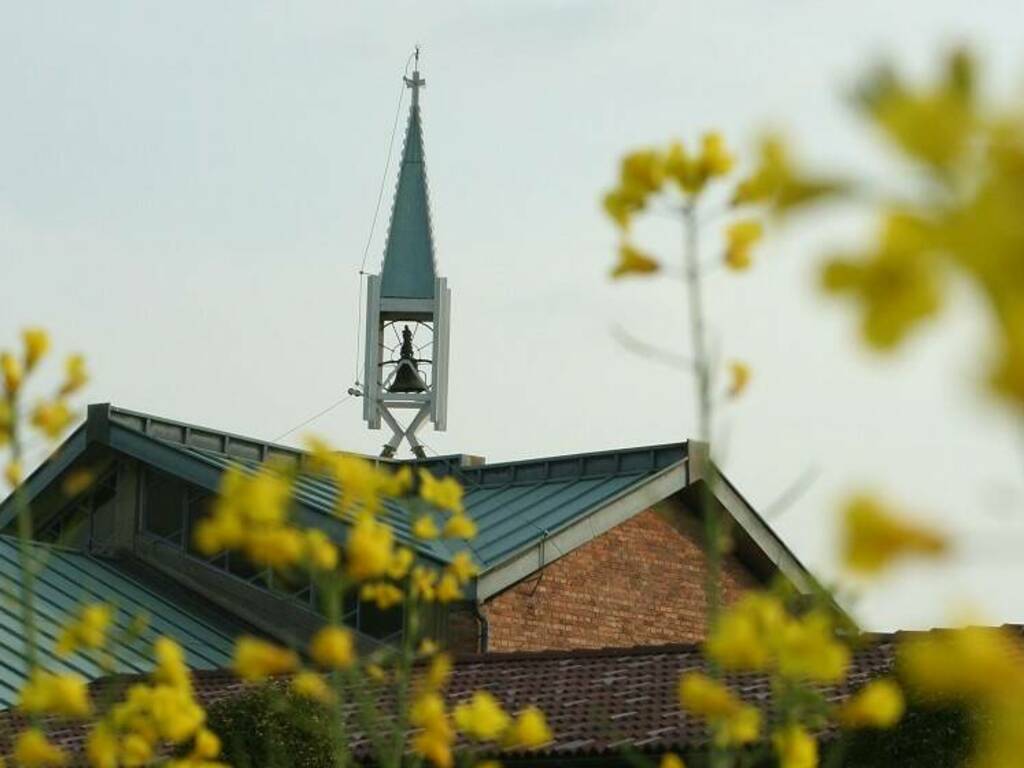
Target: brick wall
point(640, 583)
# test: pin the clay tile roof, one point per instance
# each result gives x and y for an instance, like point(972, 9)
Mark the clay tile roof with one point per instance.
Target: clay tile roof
point(596, 701)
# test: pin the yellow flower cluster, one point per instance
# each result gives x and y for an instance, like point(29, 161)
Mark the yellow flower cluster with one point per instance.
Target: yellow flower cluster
point(87, 631)
point(758, 634)
point(256, 659)
point(162, 711)
point(795, 747)
point(879, 704)
point(778, 184)
point(741, 237)
point(33, 750)
point(47, 693)
point(446, 494)
point(732, 722)
point(874, 536)
point(980, 667)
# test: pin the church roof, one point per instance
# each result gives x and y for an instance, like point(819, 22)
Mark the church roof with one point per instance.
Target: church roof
point(68, 579)
point(408, 271)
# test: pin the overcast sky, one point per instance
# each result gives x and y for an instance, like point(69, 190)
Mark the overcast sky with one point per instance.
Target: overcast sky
point(186, 191)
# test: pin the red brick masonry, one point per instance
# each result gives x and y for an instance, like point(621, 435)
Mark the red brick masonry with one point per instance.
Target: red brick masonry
point(640, 583)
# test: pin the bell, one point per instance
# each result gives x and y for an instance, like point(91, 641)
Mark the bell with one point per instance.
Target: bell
point(406, 377)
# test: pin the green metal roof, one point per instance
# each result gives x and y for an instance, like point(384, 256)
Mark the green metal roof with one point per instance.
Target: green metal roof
point(66, 580)
point(408, 271)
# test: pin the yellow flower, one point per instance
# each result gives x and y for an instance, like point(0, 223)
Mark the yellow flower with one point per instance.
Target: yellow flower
point(37, 342)
point(742, 727)
point(739, 377)
point(321, 553)
point(951, 665)
point(741, 236)
point(256, 659)
point(52, 418)
point(6, 421)
point(463, 567)
point(621, 203)
point(745, 633)
point(362, 485)
point(808, 650)
point(448, 588)
point(171, 668)
point(795, 747)
point(369, 548)
point(873, 536)
point(530, 729)
point(684, 170)
point(898, 284)
point(671, 760)
point(33, 750)
point(879, 704)
point(205, 746)
point(438, 672)
point(427, 647)
point(88, 630)
point(75, 375)
point(401, 562)
point(644, 170)
point(46, 693)
point(333, 648)
point(436, 735)
point(383, 595)
point(706, 697)
point(715, 158)
point(101, 747)
point(422, 584)
point(460, 526)
point(632, 261)
point(279, 547)
point(310, 685)
point(12, 372)
point(425, 528)
point(444, 493)
point(482, 717)
point(13, 473)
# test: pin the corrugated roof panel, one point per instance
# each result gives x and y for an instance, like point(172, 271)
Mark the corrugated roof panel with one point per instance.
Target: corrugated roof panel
point(68, 579)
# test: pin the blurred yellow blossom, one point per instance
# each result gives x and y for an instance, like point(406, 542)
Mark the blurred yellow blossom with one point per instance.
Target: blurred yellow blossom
point(333, 647)
point(874, 536)
point(777, 183)
point(459, 526)
point(448, 588)
point(13, 473)
point(633, 261)
point(33, 750)
point(381, 594)
point(401, 561)
point(425, 528)
point(37, 342)
point(745, 633)
point(257, 659)
point(741, 237)
point(795, 747)
point(463, 567)
point(715, 158)
point(52, 418)
point(368, 550)
point(320, 551)
point(438, 672)
point(88, 629)
point(422, 583)
point(170, 668)
point(528, 730)
point(879, 704)
point(310, 685)
point(444, 493)
point(46, 693)
point(75, 375)
point(12, 372)
point(808, 649)
point(739, 377)
point(950, 665)
point(482, 717)
point(436, 736)
point(671, 760)
point(732, 721)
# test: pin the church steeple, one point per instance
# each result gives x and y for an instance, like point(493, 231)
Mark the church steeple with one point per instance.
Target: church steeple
point(408, 307)
point(408, 270)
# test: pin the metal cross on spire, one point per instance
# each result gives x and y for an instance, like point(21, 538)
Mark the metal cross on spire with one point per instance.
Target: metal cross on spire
point(415, 81)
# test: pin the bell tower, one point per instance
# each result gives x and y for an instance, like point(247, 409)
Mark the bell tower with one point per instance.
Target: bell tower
point(408, 308)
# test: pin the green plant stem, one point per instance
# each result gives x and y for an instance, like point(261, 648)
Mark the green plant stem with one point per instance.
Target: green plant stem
point(26, 561)
point(702, 373)
point(332, 606)
point(408, 649)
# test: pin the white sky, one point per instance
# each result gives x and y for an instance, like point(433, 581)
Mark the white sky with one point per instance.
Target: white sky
point(186, 190)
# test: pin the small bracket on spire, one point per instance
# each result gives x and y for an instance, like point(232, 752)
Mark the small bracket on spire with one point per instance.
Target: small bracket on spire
point(415, 82)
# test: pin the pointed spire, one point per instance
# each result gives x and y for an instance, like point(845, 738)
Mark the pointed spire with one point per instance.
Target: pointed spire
point(408, 271)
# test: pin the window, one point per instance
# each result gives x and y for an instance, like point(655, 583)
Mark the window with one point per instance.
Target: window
point(76, 524)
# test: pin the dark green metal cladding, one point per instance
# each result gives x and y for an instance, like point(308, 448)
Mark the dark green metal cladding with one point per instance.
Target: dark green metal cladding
point(408, 271)
point(67, 580)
